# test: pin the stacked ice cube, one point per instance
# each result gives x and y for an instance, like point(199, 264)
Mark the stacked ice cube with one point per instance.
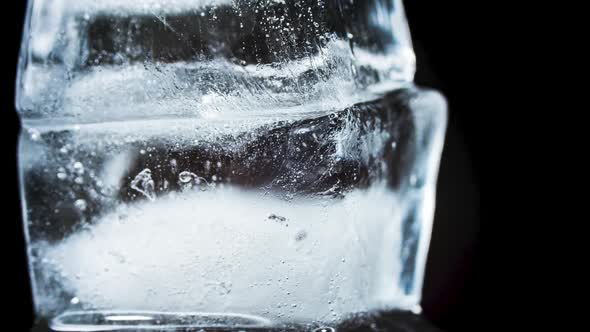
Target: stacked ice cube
point(225, 156)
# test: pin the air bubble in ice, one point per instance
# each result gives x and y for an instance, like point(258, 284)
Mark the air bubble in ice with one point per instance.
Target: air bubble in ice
point(61, 173)
point(186, 177)
point(186, 180)
point(173, 165)
point(416, 181)
point(78, 168)
point(325, 329)
point(80, 204)
point(277, 218)
point(301, 235)
point(144, 184)
point(34, 134)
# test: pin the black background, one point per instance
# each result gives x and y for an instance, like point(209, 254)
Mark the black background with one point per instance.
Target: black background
point(451, 59)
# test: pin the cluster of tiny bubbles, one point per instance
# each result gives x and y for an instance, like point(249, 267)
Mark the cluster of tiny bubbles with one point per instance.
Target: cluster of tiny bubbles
point(76, 168)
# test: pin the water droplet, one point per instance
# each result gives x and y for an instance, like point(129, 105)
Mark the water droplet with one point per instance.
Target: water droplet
point(349, 35)
point(142, 151)
point(80, 204)
point(74, 300)
point(144, 184)
point(79, 180)
point(393, 145)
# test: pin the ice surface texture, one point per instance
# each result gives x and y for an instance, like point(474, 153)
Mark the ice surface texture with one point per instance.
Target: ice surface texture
point(294, 219)
point(97, 60)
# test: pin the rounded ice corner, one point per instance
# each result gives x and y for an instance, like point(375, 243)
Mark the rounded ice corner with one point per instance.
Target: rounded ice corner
point(431, 111)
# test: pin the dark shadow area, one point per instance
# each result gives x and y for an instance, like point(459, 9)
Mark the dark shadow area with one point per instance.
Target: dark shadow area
point(446, 39)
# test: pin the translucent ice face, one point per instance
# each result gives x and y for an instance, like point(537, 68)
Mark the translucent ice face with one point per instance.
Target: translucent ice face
point(221, 260)
point(102, 60)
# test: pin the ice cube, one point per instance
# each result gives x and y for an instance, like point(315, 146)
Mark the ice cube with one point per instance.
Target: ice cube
point(92, 61)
